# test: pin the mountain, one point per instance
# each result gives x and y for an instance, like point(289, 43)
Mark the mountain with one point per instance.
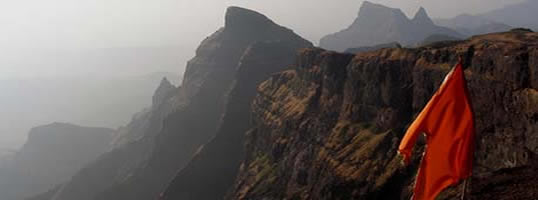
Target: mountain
point(162, 140)
point(52, 154)
point(522, 14)
point(373, 48)
point(377, 24)
point(251, 122)
point(330, 127)
point(470, 25)
point(211, 173)
point(132, 148)
point(5, 157)
point(437, 38)
point(84, 100)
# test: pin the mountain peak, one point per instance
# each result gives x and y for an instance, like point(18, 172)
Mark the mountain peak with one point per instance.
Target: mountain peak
point(366, 31)
point(422, 17)
point(366, 6)
point(237, 17)
point(373, 14)
point(368, 3)
point(165, 82)
point(163, 91)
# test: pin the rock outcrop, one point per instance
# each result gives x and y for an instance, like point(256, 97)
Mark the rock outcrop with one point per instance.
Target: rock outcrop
point(169, 134)
point(52, 154)
point(330, 127)
point(377, 24)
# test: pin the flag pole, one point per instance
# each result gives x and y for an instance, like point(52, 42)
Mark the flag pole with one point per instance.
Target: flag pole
point(464, 189)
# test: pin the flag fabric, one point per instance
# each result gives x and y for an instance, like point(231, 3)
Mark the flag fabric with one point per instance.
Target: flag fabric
point(447, 121)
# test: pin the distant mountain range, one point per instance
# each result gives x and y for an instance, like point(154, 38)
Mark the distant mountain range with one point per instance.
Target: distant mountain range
point(519, 15)
point(26, 103)
point(52, 154)
point(469, 25)
point(6, 151)
point(378, 24)
point(5, 157)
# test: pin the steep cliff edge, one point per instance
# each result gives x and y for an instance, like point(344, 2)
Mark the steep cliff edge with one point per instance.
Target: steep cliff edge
point(329, 128)
point(212, 171)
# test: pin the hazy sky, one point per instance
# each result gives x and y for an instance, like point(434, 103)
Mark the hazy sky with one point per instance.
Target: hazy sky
point(36, 26)
point(106, 23)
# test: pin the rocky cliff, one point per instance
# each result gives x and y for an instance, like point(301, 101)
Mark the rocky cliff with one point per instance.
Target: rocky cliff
point(330, 127)
point(52, 154)
point(212, 171)
point(162, 140)
point(377, 24)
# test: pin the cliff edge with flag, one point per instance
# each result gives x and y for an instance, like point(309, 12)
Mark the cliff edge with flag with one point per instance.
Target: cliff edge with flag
point(447, 121)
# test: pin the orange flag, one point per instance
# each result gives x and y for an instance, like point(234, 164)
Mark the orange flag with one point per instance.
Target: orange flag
point(447, 121)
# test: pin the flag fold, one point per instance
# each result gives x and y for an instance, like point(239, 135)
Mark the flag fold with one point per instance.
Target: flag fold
point(447, 121)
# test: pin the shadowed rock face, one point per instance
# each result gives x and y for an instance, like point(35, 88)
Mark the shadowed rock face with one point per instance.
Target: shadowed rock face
point(506, 184)
point(52, 154)
point(330, 127)
point(377, 24)
point(212, 171)
point(189, 117)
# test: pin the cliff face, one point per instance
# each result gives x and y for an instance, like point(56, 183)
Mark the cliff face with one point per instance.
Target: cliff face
point(188, 116)
point(212, 171)
point(330, 127)
point(377, 24)
point(52, 154)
